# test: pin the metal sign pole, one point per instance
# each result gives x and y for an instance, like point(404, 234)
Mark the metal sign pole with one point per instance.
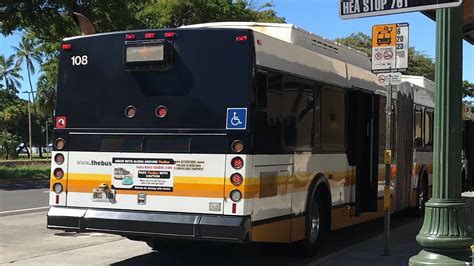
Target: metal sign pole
point(388, 161)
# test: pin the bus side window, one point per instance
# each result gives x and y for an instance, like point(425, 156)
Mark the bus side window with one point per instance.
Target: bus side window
point(428, 128)
point(333, 119)
point(418, 127)
point(268, 113)
point(297, 111)
point(261, 89)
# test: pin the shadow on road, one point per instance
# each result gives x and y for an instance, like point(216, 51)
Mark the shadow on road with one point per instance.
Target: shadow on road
point(199, 253)
point(25, 185)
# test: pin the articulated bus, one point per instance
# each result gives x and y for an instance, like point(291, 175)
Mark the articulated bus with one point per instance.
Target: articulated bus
point(237, 132)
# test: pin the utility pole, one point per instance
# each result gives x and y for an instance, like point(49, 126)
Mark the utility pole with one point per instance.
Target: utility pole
point(447, 230)
point(29, 127)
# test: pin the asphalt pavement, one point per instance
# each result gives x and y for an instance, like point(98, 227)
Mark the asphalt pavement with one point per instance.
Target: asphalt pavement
point(23, 197)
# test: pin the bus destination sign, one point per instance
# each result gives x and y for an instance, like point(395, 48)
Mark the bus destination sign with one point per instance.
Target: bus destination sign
point(368, 8)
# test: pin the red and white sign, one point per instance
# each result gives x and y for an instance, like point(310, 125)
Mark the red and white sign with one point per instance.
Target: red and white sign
point(385, 79)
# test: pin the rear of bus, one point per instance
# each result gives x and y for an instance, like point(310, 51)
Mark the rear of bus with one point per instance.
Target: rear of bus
point(151, 134)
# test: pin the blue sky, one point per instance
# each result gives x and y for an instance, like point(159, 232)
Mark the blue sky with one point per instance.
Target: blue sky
point(322, 18)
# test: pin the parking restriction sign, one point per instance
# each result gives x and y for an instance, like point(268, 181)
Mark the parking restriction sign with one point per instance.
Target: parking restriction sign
point(389, 47)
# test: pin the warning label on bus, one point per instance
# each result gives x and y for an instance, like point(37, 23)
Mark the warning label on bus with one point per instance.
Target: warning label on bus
point(143, 174)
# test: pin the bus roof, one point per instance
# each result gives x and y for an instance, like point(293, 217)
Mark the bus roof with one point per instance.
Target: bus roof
point(293, 34)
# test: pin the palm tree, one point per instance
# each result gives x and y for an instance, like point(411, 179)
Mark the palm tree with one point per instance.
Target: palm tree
point(9, 73)
point(26, 51)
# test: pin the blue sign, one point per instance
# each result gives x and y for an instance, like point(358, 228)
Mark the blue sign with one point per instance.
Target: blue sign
point(236, 118)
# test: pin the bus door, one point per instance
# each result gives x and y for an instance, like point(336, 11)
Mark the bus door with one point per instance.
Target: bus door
point(362, 148)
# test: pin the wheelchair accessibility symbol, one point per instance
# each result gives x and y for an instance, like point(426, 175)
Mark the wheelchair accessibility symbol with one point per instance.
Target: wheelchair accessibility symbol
point(236, 118)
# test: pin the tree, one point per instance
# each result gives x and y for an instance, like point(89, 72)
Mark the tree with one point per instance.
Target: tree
point(419, 64)
point(9, 73)
point(467, 89)
point(170, 14)
point(26, 52)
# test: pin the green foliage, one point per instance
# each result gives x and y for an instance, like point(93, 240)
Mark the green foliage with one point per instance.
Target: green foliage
point(9, 73)
point(467, 89)
point(8, 144)
point(170, 14)
point(26, 52)
point(358, 41)
point(419, 64)
point(25, 172)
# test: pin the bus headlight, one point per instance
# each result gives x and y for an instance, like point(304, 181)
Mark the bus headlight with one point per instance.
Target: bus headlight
point(235, 195)
point(58, 188)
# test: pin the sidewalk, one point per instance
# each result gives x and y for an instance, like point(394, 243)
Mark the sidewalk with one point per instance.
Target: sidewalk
point(402, 246)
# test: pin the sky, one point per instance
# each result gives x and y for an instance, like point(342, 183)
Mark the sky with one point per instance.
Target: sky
point(322, 18)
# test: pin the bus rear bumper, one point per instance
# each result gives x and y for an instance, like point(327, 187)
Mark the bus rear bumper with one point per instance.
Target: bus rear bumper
point(151, 224)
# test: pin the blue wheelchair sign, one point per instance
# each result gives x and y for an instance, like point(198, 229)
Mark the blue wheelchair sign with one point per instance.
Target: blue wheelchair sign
point(236, 118)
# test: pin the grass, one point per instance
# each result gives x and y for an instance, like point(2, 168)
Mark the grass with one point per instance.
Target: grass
point(24, 172)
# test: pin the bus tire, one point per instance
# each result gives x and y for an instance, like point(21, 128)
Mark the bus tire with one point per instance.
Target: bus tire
point(318, 213)
point(422, 195)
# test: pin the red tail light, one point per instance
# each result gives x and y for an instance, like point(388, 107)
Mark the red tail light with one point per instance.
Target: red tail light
point(149, 35)
point(161, 111)
point(237, 146)
point(58, 173)
point(241, 38)
point(236, 179)
point(169, 34)
point(66, 46)
point(237, 162)
point(130, 36)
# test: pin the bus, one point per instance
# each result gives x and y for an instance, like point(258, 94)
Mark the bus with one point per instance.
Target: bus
point(233, 131)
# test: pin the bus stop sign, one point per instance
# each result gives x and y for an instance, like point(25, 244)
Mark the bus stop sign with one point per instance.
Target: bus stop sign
point(368, 8)
point(390, 48)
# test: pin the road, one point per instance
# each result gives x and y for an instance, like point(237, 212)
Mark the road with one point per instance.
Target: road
point(23, 197)
point(24, 240)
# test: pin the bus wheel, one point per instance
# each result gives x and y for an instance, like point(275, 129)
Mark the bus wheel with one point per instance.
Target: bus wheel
point(422, 196)
point(317, 221)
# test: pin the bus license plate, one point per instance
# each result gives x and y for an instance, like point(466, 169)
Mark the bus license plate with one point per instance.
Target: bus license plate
point(103, 196)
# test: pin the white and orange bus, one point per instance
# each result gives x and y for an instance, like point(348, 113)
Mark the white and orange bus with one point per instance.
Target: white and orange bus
point(239, 132)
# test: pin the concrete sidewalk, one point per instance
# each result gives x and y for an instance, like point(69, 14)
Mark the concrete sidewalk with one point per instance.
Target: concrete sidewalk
point(402, 246)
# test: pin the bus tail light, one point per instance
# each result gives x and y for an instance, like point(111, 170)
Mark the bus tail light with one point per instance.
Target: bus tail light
point(149, 35)
point(236, 179)
point(130, 36)
point(234, 207)
point(59, 158)
point(169, 34)
point(241, 38)
point(130, 111)
point(237, 162)
point(161, 111)
point(59, 143)
point(58, 173)
point(237, 145)
point(66, 46)
point(235, 195)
